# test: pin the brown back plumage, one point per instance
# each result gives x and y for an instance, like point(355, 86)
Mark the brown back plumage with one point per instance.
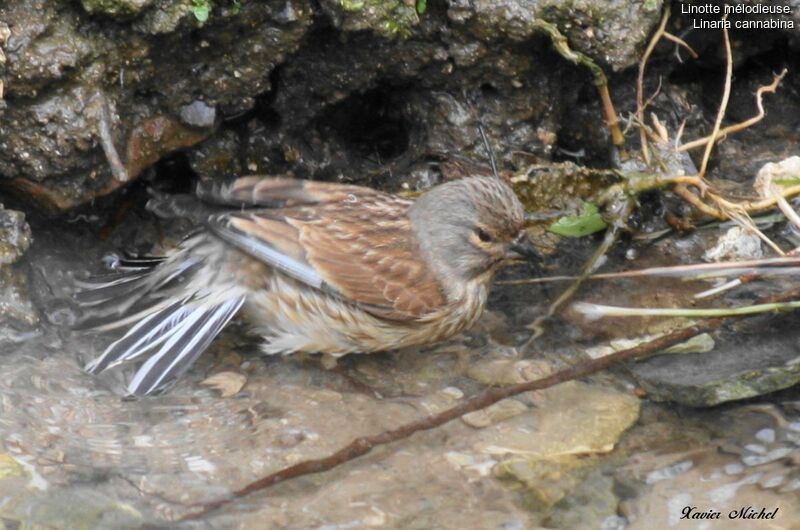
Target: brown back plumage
point(359, 241)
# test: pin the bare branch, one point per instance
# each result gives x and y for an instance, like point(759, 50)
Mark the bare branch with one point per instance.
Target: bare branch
point(771, 88)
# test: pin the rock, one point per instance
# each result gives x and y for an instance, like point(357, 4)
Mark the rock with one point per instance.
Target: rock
point(740, 366)
point(571, 419)
point(9, 467)
point(736, 244)
point(15, 236)
point(69, 508)
point(18, 316)
point(502, 410)
point(217, 157)
point(198, 114)
point(600, 29)
point(479, 464)
point(508, 371)
point(228, 383)
point(564, 434)
point(386, 17)
point(697, 344)
point(588, 506)
point(116, 7)
point(58, 57)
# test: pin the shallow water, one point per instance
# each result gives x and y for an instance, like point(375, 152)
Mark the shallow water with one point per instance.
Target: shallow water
point(586, 454)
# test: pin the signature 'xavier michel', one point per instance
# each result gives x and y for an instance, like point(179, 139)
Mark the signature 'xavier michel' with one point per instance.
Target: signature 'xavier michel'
point(315, 267)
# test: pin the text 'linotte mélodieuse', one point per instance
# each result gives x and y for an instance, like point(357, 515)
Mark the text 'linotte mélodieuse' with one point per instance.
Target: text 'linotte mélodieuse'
point(765, 16)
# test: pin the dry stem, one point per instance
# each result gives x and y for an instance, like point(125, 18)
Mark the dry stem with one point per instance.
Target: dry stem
point(723, 106)
point(680, 42)
point(640, 104)
point(771, 88)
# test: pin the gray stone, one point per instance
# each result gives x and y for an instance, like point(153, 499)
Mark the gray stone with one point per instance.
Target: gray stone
point(741, 366)
point(199, 114)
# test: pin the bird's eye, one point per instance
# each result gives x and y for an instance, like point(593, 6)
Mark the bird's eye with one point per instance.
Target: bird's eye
point(483, 235)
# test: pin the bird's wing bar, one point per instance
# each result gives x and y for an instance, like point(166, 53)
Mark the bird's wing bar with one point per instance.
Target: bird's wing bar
point(244, 234)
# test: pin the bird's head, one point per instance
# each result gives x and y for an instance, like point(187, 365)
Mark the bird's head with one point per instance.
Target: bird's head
point(469, 227)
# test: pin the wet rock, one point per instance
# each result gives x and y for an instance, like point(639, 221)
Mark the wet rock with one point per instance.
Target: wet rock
point(590, 505)
point(226, 383)
point(116, 7)
point(59, 134)
point(566, 432)
point(479, 464)
point(698, 344)
point(350, 104)
point(218, 157)
point(60, 508)
point(357, 105)
point(570, 419)
point(198, 114)
point(507, 371)
point(9, 467)
point(59, 57)
point(502, 410)
point(601, 29)
point(154, 138)
point(15, 236)
point(705, 486)
point(740, 366)
point(18, 316)
point(390, 17)
point(737, 243)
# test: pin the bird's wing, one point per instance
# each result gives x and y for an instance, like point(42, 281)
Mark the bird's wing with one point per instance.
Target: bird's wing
point(352, 242)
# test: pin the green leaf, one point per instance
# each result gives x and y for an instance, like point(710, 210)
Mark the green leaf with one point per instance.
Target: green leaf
point(201, 9)
point(422, 6)
point(588, 222)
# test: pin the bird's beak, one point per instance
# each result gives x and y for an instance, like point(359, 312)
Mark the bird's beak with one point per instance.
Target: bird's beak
point(522, 248)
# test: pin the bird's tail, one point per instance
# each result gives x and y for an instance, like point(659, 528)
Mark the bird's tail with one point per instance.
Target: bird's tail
point(173, 308)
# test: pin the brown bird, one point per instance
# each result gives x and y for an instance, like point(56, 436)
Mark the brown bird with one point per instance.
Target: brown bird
point(317, 268)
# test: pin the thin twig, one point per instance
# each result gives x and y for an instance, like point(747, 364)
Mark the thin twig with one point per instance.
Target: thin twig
point(762, 204)
point(601, 310)
point(750, 207)
point(488, 149)
point(680, 42)
point(714, 291)
point(771, 88)
point(729, 268)
point(723, 105)
point(737, 213)
point(684, 193)
point(640, 104)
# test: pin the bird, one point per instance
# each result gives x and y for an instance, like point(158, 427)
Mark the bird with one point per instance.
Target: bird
point(313, 267)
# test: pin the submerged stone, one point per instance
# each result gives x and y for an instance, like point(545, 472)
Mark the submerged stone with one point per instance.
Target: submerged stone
point(740, 367)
